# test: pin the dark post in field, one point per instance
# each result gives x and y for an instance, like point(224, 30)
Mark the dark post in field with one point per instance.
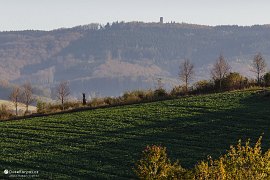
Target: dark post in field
point(84, 99)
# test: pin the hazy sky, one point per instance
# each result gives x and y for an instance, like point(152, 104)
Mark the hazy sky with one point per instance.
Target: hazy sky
point(52, 14)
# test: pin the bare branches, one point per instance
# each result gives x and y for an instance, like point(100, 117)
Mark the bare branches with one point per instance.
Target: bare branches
point(186, 72)
point(220, 70)
point(63, 92)
point(258, 66)
point(27, 95)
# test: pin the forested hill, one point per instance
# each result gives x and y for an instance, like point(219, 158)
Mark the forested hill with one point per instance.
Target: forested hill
point(116, 57)
point(159, 42)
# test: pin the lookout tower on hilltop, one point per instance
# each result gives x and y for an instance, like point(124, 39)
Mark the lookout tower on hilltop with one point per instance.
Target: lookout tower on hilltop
point(161, 20)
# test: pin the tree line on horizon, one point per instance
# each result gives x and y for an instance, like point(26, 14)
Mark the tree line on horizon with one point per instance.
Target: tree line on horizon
point(158, 42)
point(222, 76)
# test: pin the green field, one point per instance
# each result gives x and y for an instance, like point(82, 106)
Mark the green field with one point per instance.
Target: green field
point(105, 143)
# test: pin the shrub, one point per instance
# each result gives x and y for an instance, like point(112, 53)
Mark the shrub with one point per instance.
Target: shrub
point(44, 108)
point(97, 102)
point(4, 113)
point(234, 81)
point(138, 96)
point(177, 91)
point(241, 162)
point(155, 164)
point(142, 94)
point(132, 99)
point(204, 86)
point(266, 79)
point(41, 107)
point(112, 101)
point(160, 93)
point(73, 104)
point(149, 95)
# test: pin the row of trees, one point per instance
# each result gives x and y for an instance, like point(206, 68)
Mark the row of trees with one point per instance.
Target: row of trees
point(221, 71)
point(25, 95)
point(22, 94)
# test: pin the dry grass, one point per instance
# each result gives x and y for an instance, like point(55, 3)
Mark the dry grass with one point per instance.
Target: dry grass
point(21, 107)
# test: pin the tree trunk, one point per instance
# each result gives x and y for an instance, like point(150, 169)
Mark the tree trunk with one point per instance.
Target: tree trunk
point(258, 79)
point(186, 86)
point(63, 104)
point(16, 107)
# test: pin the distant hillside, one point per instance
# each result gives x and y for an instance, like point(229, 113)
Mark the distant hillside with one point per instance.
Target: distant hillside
point(106, 143)
point(116, 57)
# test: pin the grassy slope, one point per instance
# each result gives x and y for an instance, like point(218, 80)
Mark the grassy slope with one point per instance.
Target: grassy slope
point(105, 143)
point(21, 107)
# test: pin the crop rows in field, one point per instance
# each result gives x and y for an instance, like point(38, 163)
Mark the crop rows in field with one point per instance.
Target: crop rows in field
point(106, 143)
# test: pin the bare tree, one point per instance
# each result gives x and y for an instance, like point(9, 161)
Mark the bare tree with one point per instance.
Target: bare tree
point(15, 98)
point(258, 66)
point(27, 95)
point(186, 72)
point(220, 70)
point(63, 92)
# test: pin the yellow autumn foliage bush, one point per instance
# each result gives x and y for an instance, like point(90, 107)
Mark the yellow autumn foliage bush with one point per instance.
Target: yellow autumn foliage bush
point(155, 164)
point(241, 162)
